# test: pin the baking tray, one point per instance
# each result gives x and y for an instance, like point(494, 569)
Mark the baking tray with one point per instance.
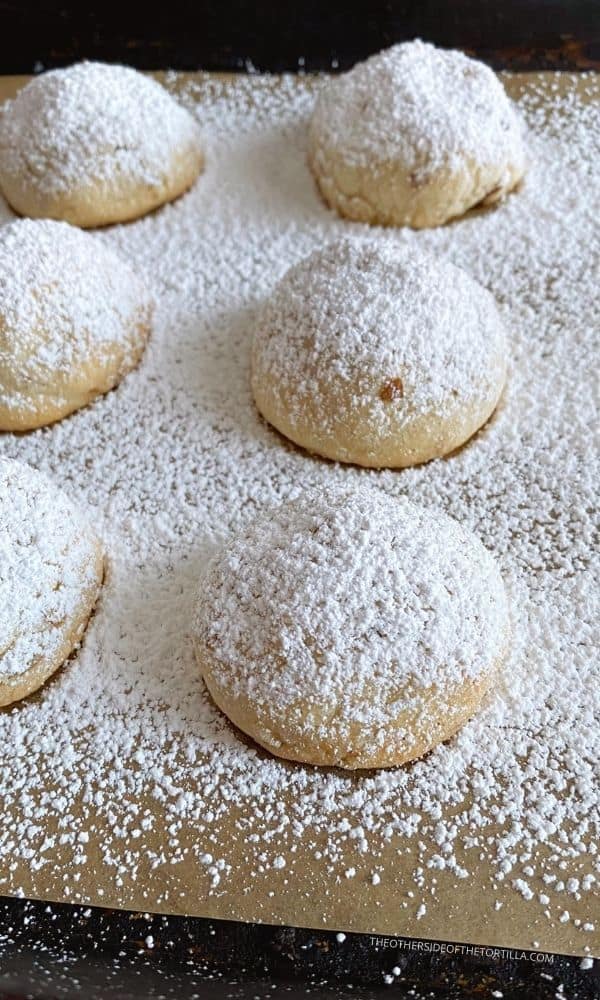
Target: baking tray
point(311, 900)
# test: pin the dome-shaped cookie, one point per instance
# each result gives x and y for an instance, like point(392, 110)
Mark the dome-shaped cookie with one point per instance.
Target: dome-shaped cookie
point(415, 136)
point(378, 355)
point(51, 569)
point(74, 319)
point(95, 144)
point(350, 628)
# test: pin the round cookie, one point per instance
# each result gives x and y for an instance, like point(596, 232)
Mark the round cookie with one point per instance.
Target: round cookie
point(51, 570)
point(378, 355)
point(74, 319)
point(415, 136)
point(95, 144)
point(350, 628)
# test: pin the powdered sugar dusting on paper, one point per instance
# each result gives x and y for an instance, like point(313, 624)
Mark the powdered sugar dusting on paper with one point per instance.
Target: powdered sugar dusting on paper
point(177, 457)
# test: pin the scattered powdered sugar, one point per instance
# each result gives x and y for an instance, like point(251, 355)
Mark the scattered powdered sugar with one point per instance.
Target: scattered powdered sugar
point(64, 300)
point(47, 558)
point(396, 106)
point(364, 321)
point(92, 123)
point(353, 602)
point(126, 748)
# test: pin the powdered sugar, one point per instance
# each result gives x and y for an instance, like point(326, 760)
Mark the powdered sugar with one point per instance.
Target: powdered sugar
point(135, 755)
point(46, 562)
point(425, 107)
point(64, 300)
point(92, 124)
point(364, 324)
point(352, 602)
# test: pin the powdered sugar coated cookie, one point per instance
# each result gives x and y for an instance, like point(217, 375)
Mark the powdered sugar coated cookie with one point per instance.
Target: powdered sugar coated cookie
point(51, 568)
point(74, 319)
point(349, 628)
point(415, 136)
point(378, 355)
point(95, 144)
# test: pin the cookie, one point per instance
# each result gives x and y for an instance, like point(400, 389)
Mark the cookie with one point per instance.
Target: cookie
point(95, 144)
point(74, 319)
point(51, 570)
point(350, 628)
point(378, 355)
point(415, 136)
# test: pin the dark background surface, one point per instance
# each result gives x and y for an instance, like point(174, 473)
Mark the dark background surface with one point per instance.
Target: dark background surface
point(284, 35)
point(62, 951)
point(72, 952)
